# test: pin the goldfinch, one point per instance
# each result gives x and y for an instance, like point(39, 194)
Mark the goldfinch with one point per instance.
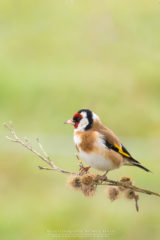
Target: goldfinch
point(97, 145)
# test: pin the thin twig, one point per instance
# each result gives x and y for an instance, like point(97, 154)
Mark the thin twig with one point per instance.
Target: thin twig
point(29, 147)
point(126, 185)
point(46, 159)
point(42, 149)
point(136, 202)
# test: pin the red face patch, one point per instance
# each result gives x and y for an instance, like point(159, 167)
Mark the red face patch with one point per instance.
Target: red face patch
point(77, 118)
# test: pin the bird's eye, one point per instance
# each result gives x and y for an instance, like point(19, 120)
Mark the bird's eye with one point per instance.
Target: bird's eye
point(78, 119)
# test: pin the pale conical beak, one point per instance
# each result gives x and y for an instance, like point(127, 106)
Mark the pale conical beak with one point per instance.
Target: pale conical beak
point(69, 122)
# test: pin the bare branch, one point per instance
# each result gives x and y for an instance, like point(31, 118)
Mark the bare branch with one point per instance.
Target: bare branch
point(42, 149)
point(45, 168)
point(136, 202)
point(125, 185)
point(29, 147)
point(82, 169)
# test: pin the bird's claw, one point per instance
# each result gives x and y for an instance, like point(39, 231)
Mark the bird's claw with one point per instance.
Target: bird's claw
point(102, 178)
point(84, 170)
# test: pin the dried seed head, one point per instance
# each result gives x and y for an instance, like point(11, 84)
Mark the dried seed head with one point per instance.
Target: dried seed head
point(88, 179)
point(137, 196)
point(88, 190)
point(112, 193)
point(75, 182)
point(130, 194)
point(125, 180)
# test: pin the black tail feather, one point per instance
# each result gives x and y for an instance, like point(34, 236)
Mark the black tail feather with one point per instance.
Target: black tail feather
point(134, 162)
point(140, 166)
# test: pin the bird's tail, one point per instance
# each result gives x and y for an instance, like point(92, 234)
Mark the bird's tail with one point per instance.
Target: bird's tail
point(142, 167)
point(133, 162)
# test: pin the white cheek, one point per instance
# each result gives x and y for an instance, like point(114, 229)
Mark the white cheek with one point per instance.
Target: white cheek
point(83, 123)
point(81, 126)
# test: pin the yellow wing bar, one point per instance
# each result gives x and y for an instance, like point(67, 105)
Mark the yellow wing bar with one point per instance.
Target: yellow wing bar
point(120, 150)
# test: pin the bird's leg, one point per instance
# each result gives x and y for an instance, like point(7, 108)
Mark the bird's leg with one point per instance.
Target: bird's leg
point(84, 170)
point(102, 177)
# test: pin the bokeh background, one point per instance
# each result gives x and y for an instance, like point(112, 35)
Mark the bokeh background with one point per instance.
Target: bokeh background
point(57, 57)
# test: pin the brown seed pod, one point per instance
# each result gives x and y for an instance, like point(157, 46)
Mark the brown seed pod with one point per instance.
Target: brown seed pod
point(137, 196)
point(88, 190)
point(130, 194)
point(88, 179)
point(125, 180)
point(112, 193)
point(75, 182)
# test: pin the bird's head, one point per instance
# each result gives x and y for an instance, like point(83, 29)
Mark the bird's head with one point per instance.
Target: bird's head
point(83, 120)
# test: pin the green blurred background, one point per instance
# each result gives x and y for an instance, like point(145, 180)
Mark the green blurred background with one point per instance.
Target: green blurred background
point(57, 57)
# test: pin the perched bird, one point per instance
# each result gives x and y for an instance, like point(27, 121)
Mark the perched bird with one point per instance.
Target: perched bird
point(97, 145)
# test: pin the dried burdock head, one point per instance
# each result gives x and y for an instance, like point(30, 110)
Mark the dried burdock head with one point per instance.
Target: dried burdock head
point(88, 179)
point(125, 180)
point(88, 190)
point(137, 196)
point(130, 194)
point(88, 185)
point(112, 193)
point(75, 182)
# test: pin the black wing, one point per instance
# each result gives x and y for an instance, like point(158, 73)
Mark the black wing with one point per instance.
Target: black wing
point(124, 152)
